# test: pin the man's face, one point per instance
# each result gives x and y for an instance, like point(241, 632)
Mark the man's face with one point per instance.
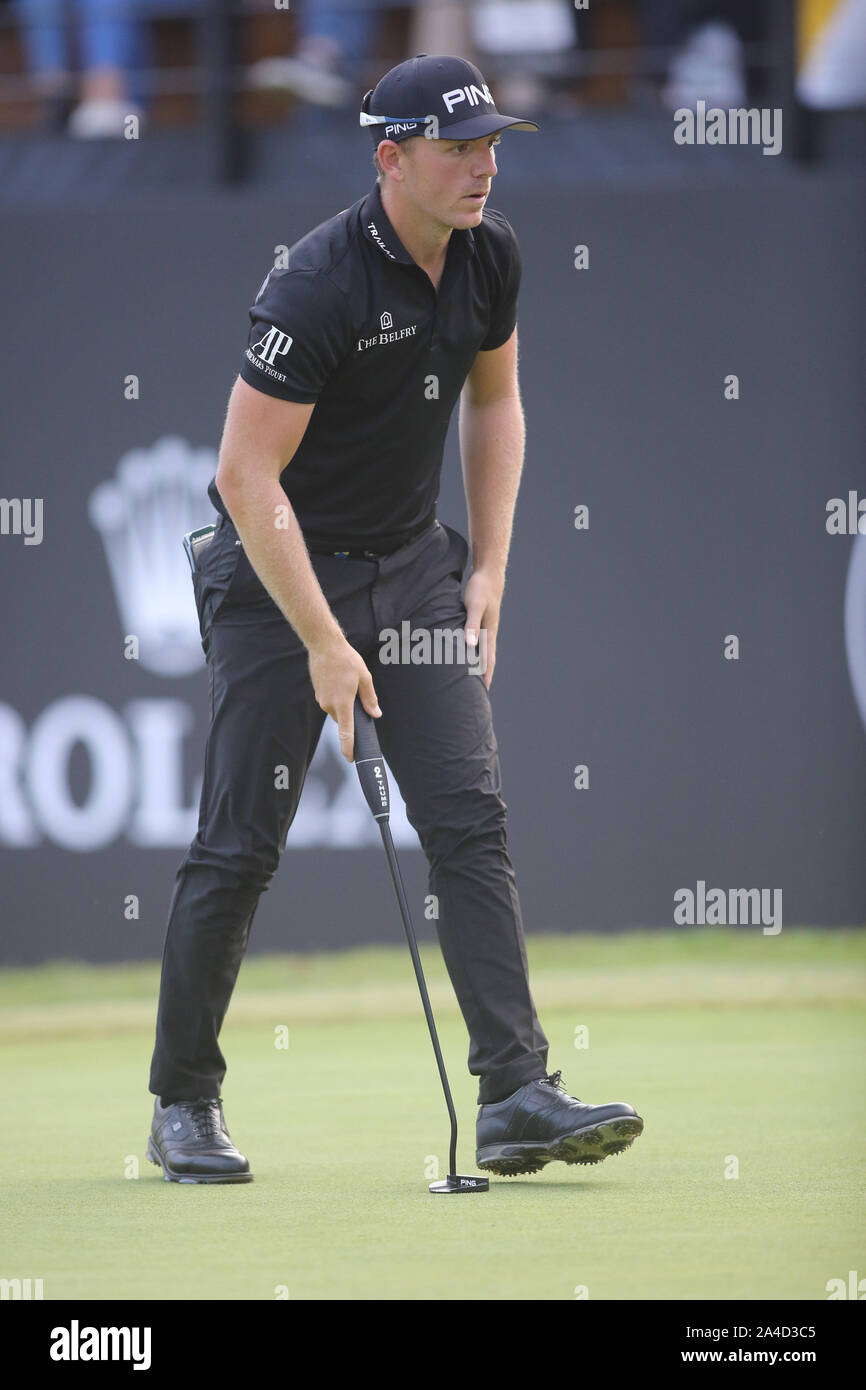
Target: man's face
point(448, 180)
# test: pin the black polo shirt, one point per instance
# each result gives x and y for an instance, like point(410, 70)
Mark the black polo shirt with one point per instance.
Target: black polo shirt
point(354, 324)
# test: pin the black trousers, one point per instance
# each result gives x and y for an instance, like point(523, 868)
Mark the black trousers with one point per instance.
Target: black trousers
point(436, 734)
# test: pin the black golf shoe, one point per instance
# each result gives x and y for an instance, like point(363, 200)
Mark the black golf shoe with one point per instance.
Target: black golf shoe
point(191, 1143)
point(542, 1122)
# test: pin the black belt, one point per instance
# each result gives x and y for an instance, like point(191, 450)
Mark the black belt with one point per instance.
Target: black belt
point(361, 553)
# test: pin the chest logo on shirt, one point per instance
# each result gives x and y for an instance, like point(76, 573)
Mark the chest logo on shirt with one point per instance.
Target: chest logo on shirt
point(387, 334)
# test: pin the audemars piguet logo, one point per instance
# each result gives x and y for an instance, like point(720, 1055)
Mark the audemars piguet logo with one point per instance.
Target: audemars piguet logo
point(274, 344)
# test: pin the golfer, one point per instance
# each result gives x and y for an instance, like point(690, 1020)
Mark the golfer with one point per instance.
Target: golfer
point(362, 340)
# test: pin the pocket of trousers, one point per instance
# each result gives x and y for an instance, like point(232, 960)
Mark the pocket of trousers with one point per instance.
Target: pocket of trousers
point(460, 545)
point(215, 576)
point(440, 603)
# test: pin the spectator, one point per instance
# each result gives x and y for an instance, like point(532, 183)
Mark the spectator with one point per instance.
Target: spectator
point(511, 29)
point(709, 62)
point(331, 38)
point(111, 41)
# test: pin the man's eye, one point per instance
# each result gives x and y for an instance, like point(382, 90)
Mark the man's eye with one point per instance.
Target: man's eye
point(492, 143)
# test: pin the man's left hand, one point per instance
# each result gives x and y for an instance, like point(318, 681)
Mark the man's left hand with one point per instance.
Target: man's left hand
point(483, 598)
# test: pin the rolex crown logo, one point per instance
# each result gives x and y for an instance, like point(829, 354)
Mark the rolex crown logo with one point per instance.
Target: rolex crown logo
point(142, 515)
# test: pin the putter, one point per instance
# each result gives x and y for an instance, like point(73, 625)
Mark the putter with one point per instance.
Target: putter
point(374, 784)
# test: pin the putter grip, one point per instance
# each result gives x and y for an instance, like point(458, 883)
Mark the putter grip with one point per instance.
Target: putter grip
point(370, 764)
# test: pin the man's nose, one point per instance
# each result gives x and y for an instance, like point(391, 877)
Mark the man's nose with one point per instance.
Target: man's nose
point(487, 164)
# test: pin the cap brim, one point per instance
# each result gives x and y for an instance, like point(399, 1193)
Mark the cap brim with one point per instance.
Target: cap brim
point(477, 126)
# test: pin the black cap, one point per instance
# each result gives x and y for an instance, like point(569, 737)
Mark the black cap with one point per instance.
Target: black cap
point(440, 97)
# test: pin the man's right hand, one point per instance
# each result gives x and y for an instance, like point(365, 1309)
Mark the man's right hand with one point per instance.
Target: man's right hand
point(338, 673)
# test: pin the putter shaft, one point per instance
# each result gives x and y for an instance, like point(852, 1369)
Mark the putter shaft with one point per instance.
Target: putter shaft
point(388, 841)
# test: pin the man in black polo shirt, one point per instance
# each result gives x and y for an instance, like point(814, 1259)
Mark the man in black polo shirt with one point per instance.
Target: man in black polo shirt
point(360, 346)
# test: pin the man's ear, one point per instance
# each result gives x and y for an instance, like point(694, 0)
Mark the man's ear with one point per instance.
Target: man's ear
point(389, 157)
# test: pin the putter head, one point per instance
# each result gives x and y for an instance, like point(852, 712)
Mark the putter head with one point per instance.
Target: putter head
point(455, 1183)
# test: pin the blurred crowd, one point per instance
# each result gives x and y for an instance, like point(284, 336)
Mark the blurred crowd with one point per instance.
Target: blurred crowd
point(87, 59)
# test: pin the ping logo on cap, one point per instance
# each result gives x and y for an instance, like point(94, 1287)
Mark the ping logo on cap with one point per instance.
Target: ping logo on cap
point(472, 94)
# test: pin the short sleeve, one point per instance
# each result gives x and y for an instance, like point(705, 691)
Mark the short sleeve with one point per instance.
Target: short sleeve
point(299, 334)
point(503, 315)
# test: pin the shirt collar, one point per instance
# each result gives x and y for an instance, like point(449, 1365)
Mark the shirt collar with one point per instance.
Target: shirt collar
point(378, 230)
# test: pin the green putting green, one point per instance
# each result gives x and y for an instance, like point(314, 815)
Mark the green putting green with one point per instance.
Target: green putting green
point(743, 1053)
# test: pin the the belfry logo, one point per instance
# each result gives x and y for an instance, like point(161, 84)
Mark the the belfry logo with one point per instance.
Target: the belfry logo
point(387, 333)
